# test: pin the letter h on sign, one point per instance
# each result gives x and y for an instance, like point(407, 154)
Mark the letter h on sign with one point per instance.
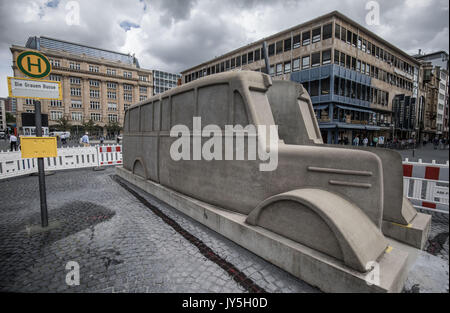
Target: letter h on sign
point(33, 64)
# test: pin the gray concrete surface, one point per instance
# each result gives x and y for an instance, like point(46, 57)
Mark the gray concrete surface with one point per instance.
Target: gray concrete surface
point(123, 247)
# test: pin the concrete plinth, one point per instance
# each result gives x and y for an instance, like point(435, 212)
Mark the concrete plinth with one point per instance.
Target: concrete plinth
point(313, 267)
point(414, 234)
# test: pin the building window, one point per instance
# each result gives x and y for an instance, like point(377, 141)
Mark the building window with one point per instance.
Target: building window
point(348, 61)
point(112, 117)
point(111, 85)
point(56, 78)
point(315, 59)
point(95, 105)
point(305, 62)
point(56, 103)
point(227, 66)
point(75, 92)
point(354, 64)
point(56, 115)
point(337, 31)
point(244, 59)
point(143, 78)
point(296, 65)
point(112, 106)
point(306, 38)
point(112, 95)
point(76, 104)
point(93, 68)
point(74, 66)
point(358, 65)
point(55, 63)
point(142, 98)
point(75, 80)
point(279, 47)
point(314, 88)
point(271, 49)
point(327, 31)
point(127, 87)
point(142, 89)
point(126, 106)
point(233, 65)
point(94, 83)
point(349, 36)
point(279, 69)
point(127, 97)
point(342, 59)
point(110, 71)
point(287, 44)
point(326, 57)
point(316, 34)
point(364, 45)
point(296, 41)
point(355, 40)
point(29, 102)
point(94, 93)
point(272, 70)
point(359, 43)
point(336, 56)
point(250, 57)
point(343, 34)
point(287, 67)
point(257, 54)
point(325, 86)
point(96, 117)
point(127, 74)
point(77, 116)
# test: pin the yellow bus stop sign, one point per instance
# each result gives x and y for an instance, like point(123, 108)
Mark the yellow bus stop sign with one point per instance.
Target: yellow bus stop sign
point(38, 147)
point(33, 64)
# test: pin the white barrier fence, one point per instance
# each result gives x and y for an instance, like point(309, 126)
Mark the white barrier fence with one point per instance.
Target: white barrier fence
point(426, 185)
point(12, 164)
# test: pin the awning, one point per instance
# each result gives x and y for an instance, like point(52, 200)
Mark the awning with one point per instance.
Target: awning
point(354, 109)
point(321, 107)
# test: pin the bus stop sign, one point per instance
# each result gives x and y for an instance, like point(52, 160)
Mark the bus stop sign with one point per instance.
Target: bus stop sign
point(33, 64)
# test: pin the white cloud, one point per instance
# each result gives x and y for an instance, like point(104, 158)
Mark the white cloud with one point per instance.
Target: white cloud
point(176, 34)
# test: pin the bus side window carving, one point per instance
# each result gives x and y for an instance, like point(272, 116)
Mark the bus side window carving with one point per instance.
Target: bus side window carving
point(183, 107)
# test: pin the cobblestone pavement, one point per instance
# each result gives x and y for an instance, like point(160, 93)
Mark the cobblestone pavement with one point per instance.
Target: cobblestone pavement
point(426, 153)
point(120, 245)
point(123, 246)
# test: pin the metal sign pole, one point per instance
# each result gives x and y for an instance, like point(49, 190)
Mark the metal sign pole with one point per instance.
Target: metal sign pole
point(42, 190)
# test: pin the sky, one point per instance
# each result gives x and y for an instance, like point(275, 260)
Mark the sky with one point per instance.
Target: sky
point(174, 35)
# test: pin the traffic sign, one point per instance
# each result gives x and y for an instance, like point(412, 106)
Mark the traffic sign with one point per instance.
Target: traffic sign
point(38, 147)
point(34, 88)
point(33, 64)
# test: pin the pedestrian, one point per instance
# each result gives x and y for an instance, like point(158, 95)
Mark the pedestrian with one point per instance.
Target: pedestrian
point(365, 141)
point(85, 140)
point(375, 141)
point(102, 139)
point(356, 141)
point(63, 138)
point(118, 139)
point(435, 143)
point(13, 142)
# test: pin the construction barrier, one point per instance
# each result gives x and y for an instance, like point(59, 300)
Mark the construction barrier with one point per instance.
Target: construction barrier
point(12, 164)
point(426, 185)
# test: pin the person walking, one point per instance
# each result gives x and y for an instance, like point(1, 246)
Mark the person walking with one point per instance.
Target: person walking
point(13, 142)
point(102, 139)
point(85, 140)
point(365, 141)
point(375, 141)
point(356, 141)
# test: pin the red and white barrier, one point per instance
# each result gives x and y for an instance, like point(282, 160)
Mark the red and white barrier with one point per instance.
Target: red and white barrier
point(426, 185)
point(109, 155)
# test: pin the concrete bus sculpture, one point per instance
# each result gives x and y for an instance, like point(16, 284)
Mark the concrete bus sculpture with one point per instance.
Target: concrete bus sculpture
point(320, 214)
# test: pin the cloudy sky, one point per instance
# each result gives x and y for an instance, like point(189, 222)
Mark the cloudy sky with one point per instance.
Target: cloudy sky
point(173, 35)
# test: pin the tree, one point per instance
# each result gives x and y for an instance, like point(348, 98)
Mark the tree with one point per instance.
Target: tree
point(89, 126)
point(63, 124)
point(113, 128)
point(10, 118)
